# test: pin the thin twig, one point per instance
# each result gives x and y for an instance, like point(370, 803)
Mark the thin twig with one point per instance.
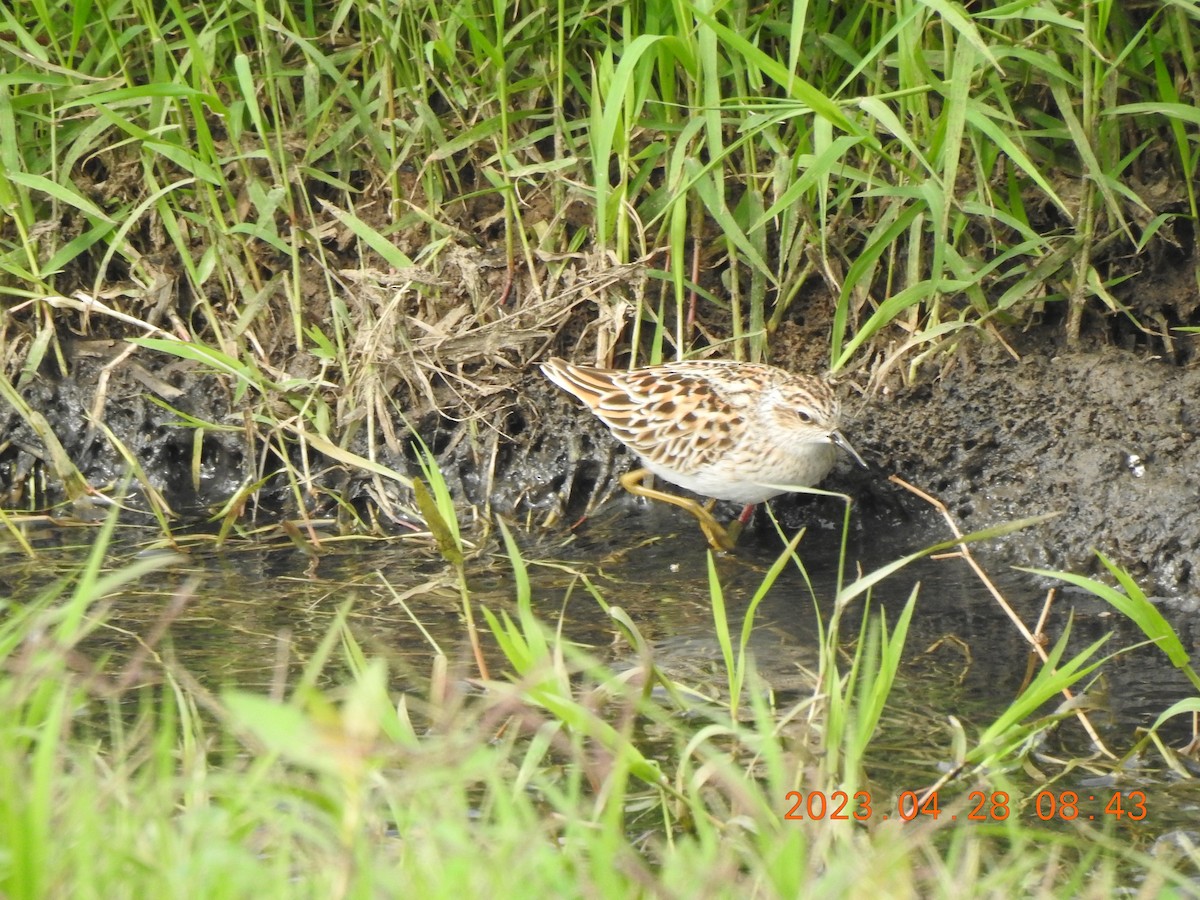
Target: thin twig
point(1012, 615)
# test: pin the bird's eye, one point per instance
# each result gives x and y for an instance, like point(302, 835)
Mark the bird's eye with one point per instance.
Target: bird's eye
point(804, 417)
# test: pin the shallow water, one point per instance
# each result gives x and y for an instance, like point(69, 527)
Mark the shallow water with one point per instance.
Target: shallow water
point(259, 610)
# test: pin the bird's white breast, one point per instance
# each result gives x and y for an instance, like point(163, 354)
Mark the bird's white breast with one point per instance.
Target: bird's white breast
point(748, 478)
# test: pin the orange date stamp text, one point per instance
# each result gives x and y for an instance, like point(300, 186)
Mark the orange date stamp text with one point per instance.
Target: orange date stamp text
point(982, 806)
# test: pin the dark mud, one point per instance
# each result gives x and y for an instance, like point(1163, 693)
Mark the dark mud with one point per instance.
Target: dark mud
point(1106, 438)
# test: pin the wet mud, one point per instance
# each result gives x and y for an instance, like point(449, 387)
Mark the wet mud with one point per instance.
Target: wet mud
point(998, 430)
point(1106, 438)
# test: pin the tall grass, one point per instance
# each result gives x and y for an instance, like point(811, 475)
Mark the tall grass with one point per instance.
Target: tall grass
point(940, 132)
point(284, 184)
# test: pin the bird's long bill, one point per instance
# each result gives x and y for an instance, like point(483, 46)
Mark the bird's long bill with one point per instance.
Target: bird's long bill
point(840, 440)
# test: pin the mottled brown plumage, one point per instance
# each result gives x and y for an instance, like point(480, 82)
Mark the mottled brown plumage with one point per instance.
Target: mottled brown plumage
point(723, 429)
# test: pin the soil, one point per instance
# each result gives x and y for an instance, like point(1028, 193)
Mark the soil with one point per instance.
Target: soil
point(1104, 437)
point(1107, 439)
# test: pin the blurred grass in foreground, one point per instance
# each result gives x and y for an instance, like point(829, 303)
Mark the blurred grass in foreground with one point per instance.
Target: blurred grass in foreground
point(561, 776)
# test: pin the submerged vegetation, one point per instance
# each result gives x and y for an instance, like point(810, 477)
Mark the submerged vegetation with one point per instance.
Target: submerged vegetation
point(323, 241)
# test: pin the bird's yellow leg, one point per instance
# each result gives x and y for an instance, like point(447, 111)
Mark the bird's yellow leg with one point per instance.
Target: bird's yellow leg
point(734, 529)
point(717, 536)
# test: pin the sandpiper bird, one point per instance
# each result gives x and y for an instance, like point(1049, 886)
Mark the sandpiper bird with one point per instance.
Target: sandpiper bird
point(723, 429)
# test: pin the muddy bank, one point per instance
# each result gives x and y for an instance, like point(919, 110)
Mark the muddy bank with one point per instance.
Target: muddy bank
point(1106, 438)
